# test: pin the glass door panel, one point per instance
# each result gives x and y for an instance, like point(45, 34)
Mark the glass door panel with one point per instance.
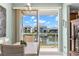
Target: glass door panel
point(30, 32)
point(48, 27)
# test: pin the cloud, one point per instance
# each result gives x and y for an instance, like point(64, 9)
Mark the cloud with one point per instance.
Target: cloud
point(34, 20)
point(56, 25)
point(33, 17)
point(47, 23)
point(42, 21)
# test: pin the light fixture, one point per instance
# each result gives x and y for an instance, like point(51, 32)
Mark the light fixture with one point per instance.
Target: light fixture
point(28, 4)
point(28, 7)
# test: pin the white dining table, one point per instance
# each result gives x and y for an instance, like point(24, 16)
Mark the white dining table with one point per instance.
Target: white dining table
point(30, 49)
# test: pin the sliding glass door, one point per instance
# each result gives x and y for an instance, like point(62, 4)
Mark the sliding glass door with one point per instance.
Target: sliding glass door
point(42, 29)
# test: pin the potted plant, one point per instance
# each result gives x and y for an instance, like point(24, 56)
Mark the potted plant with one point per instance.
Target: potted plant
point(22, 42)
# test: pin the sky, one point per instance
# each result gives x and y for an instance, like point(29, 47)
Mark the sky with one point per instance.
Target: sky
point(49, 21)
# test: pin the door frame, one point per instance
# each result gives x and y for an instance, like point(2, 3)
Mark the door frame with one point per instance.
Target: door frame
point(59, 23)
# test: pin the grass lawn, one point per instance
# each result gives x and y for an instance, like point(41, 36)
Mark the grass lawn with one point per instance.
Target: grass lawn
point(49, 46)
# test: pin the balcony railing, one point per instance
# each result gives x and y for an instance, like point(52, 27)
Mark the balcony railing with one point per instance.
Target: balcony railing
point(46, 39)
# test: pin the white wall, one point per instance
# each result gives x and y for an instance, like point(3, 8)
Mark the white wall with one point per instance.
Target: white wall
point(9, 20)
point(65, 28)
point(60, 41)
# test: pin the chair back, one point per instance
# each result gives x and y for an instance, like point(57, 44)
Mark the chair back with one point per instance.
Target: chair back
point(28, 38)
point(12, 50)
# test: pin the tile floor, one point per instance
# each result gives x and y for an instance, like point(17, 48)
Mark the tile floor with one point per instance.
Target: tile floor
point(49, 52)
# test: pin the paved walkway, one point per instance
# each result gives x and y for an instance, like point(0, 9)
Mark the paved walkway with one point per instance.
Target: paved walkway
point(49, 52)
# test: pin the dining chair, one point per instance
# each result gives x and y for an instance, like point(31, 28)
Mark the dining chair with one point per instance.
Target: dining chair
point(28, 38)
point(12, 50)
